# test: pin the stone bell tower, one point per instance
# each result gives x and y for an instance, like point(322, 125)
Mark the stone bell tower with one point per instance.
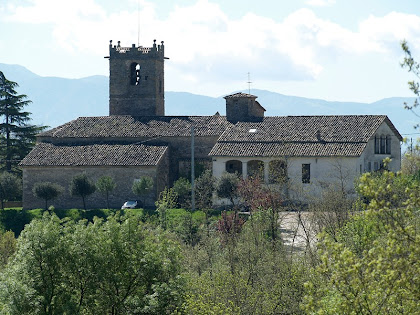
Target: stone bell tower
point(136, 80)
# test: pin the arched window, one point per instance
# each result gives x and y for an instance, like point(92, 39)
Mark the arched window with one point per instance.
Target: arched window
point(377, 149)
point(135, 74)
point(277, 173)
point(388, 145)
point(383, 144)
point(234, 166)
point(256, 169)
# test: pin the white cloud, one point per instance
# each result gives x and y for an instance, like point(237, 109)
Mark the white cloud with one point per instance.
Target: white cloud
point(203, 42)
point(390, 29)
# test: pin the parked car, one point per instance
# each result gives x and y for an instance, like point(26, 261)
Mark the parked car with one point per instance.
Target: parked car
point(131, 204)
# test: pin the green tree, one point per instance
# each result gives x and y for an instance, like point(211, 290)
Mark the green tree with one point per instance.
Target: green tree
point(81, 186)
point(410, 162)
point(246, 274)
point(117, 266)
point(227, 187)
point(204, 189)
point(167, 200)
point(16, 134)
point(414, 67)
point(182, 187)
point(47, 191)
point(142, 187)
point(7, 247)
point(371, 267)
point(10, 187)
point(105, 185)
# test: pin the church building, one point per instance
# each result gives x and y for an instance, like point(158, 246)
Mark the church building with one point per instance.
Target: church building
point(304, 154)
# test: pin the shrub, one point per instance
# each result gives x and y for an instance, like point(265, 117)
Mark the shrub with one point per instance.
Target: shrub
point(182, 187)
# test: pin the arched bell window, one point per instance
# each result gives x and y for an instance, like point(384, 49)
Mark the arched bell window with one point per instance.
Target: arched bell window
point(135, 74)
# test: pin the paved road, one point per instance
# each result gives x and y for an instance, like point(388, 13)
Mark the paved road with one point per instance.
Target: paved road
point(297, 231)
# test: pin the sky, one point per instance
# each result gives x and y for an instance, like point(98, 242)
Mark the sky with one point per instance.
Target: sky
point(337, 50)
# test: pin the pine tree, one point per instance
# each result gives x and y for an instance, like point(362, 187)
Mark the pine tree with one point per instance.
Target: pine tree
point(17, 135)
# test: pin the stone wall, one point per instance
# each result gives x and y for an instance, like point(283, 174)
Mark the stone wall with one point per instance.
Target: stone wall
point(123, 176)
point(243, 109)
point(146, 97)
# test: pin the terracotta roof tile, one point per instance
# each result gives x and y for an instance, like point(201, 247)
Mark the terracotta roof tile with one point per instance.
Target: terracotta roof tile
point(300, 136)
point(47, 154)
point(346, 128)
point(119, 126)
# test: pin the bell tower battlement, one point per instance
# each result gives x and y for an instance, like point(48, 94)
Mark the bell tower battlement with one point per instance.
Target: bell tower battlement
point(136, 80)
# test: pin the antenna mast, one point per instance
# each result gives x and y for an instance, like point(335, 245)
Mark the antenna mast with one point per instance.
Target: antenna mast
point(138, 23)
point(249, 83)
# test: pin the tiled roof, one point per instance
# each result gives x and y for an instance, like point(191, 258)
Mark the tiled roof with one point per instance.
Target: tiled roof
point(300, 136)
point(47, 154)
point(119, 126)
point(348, 128)
point(239, 95)
point(287, 149)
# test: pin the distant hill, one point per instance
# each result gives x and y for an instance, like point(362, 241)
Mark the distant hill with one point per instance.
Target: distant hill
point(58, 100)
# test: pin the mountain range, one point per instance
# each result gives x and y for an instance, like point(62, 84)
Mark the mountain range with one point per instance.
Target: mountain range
point(58, 100)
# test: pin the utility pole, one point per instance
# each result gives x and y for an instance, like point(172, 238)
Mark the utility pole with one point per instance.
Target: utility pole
point(192, 170)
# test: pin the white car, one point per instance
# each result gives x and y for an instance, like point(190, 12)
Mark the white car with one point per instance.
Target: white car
point(131, 204)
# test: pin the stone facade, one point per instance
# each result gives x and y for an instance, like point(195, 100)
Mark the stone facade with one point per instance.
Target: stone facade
point(136, 85)
point(123, 177)
point(243, 107)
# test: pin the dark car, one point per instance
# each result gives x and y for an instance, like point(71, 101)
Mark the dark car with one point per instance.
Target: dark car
point(131, 204)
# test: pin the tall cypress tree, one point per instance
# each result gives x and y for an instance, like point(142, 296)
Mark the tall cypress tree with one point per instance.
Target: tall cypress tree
point(17, 135)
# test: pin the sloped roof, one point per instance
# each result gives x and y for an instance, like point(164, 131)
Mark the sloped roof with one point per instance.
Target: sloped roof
point(300, 136)
point(270, 149)
point(119, 126)
point(47, 154)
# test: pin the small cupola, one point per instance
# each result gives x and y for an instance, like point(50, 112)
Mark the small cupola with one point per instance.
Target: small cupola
point(243, 107)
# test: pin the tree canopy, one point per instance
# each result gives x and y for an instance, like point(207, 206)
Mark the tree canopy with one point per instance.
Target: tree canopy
point(10, 187)
point(47, 191)
point(105, 185)
point(81, 186)
point(118, 266)
point(17, 135)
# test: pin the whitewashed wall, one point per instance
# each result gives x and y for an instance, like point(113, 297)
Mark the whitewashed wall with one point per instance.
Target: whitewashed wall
point(369, 152)
point(336, 172)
